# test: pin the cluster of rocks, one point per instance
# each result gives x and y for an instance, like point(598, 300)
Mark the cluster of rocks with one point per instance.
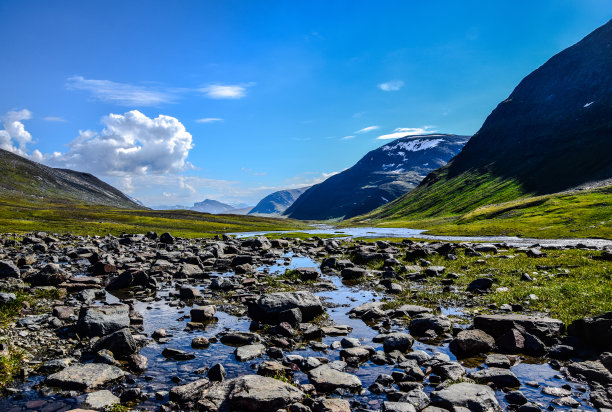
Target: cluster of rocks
point(90, 350)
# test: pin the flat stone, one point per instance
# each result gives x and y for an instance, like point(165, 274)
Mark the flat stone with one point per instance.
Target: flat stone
point(542, 327)
point(85, 376)
point(248, 352)
point(466, 396)
point(100, 399)
point(326, 379)
point(502, 378)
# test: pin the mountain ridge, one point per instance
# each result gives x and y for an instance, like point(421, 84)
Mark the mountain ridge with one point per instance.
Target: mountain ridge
point(552, 133)
point(379, 177)
point(31, 181)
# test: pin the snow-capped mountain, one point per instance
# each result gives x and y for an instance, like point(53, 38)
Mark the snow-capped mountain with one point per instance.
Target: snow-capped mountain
point(378, 178)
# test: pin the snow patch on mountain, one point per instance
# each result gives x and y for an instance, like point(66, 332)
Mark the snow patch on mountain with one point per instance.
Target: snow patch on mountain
point(414, 145)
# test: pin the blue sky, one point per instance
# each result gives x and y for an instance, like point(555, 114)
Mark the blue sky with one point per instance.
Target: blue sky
point(174, 102)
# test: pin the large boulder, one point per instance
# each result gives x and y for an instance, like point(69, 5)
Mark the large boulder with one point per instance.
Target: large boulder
point(85, 376)
point(327, 379)
point(9, 270)
point(466, 396)
point(471, 342)
point(268, 307)
point(250, 393)
point(596, 331)
point(130, 279)
point(543, 328)
point(102, 320)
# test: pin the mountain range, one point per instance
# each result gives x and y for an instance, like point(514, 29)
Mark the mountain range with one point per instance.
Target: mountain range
point(378, 178)
point(553, 133)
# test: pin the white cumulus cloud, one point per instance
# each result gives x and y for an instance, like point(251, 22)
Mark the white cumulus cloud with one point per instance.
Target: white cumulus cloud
point(407, 131)
point(14, 137)
point(219, 91)
point(391, 86)
point(130, 144)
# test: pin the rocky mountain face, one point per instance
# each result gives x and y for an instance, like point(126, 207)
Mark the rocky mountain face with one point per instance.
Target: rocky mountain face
point(378, 178)
point(30, 181)
point(554, 132)
point(276, 203)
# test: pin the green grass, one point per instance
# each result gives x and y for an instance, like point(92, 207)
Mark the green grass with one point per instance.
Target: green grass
point(577, 214)
point(10, 365)
point(576, 286)
point(20, 216)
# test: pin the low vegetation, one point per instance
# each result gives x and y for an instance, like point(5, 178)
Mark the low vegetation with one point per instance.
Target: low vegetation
point(566, 284)
point(577, 214)
point(19, 216)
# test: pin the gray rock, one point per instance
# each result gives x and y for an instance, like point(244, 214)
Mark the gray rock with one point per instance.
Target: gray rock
point(240, 338)
point(190, 392)
point(9, 270)
point(496, 360)
point(100, 399)
point(85, 376)
point(596, 331)
point(416, 398)
point(121, 343)
point(397, 407)
point(501, 378)
point(471, 342)
point(177, 354)
point(421, 324)
point(217, 373)
point(397, 341)
point(7, 298)
point(326, 379)
point(250, 393)
point(267, 307)
point(466, 396)
point(331, 405)
point(203, 313)
point(102, 320)
point(248, 352)
point(542, 327)
point(480, 285)
point(592, 371)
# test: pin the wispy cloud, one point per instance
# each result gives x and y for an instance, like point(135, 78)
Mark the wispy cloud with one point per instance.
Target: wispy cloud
point(55, 119)
point(391, 86)
point(367, 129)
point(209, 120)
point(348, 137)
point(407, 131)
point(219, 91)
point(120, 93)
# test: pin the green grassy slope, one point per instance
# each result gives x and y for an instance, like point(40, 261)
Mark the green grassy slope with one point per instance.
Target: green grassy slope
point(20, 216)
point(585, 213)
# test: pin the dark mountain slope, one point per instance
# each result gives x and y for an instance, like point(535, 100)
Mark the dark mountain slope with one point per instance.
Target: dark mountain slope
point(552, 133)
point(31, 181)
point(378, 178)
point(277, 202)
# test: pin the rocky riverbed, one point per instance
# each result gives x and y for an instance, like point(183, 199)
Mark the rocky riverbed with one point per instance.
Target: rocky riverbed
point(149, 322)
